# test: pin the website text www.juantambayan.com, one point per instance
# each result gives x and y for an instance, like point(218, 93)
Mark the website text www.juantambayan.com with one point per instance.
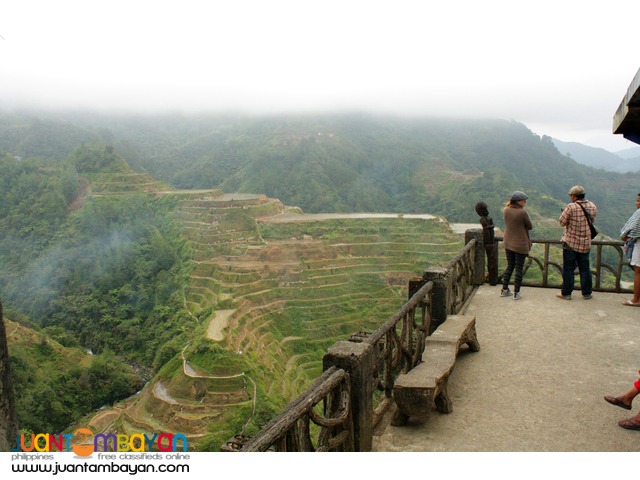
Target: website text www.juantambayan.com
point(86, 467)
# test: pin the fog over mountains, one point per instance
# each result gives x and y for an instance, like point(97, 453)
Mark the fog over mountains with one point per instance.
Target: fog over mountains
point(343, 162)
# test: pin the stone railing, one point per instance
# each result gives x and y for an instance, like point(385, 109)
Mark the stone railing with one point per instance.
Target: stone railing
point(291, 430)
point(357, 384)
point(398, 352)
point(607, 276)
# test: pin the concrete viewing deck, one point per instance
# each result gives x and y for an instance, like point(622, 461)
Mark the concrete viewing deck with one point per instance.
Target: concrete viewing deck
point(538, 382)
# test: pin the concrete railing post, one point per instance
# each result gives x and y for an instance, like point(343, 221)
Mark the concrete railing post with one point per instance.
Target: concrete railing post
point(358, 359)
point(477, 256)
point(441, 294)
point(8, 416)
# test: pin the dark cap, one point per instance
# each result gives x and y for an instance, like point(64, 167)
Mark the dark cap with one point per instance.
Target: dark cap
point(517, 196)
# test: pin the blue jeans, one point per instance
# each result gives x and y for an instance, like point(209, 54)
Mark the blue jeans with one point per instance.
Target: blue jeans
point(570, 259)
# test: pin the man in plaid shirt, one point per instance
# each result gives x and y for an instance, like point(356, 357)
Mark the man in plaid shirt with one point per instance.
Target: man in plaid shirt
point(576, 243)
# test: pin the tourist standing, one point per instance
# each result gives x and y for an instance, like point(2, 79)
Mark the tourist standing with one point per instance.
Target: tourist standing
point(576, 242)
point(630, 234)
point(516, 241)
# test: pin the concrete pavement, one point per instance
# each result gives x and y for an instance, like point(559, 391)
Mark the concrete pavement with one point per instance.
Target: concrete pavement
point(538, 382)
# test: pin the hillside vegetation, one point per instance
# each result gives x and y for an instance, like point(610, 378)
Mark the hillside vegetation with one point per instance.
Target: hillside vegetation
point(55, 384)
point(344, 163)
point(222, 305)
point(270, 297)
point(91, 271)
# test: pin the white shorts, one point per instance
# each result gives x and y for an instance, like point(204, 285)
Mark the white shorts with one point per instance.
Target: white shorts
point(635, 256)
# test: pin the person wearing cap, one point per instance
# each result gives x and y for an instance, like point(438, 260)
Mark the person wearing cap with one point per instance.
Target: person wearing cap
point(576, 243)
point(516, 241)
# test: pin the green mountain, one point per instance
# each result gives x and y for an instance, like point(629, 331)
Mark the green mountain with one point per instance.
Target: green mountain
point(349, 163)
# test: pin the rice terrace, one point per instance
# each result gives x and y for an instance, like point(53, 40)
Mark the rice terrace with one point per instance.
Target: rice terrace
point(270, 290)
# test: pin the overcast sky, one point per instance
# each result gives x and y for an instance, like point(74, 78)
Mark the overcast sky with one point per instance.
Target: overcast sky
point(560, 67)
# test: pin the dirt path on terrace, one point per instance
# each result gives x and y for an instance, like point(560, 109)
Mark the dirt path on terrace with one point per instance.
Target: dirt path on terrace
point(218, 323)
point(160, 391)
point(312, 217)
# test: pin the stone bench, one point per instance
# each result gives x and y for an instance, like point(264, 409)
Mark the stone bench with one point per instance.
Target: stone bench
point(416, 391)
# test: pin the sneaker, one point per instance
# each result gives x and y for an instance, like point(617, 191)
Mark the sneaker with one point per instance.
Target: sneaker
point(563, 297)
point(505, 293)
point(587, 297)
point(517, 296)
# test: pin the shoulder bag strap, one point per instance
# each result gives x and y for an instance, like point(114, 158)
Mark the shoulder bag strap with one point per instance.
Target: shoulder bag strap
point(585, 214)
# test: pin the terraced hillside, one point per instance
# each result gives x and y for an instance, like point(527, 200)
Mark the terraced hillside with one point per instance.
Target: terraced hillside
point(280, 287)
point(129, 182)
point(271, 290)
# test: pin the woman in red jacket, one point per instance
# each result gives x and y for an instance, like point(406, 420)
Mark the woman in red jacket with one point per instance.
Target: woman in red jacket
point(516, 241)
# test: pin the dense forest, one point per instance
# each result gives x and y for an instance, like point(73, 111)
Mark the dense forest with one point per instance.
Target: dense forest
point(99, 272)
point(99, 277)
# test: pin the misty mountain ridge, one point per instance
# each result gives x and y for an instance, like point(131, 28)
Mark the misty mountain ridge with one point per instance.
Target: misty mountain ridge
point(628, 153)
point(624, 161)
point(338, 162)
